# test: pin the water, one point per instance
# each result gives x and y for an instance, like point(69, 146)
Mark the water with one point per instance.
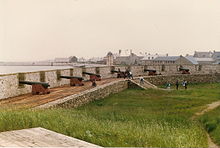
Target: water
point(17, 69)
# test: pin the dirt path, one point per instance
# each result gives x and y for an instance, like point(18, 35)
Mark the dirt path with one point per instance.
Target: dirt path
point(210, 107)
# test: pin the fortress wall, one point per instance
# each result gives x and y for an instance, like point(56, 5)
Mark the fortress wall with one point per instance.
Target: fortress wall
point(77, 71)
point(192, 78)
point(9, 86)
point(105, 72)
point(85, 97)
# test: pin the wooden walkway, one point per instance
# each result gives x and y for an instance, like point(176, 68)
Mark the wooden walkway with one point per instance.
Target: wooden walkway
point(39, 137)
point(30, 101)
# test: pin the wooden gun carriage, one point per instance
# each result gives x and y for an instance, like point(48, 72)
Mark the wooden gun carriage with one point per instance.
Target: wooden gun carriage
point(93, 76)
point(74, 81)
point(37, 87)
point(151, 72)
point(184, 70)
point(120, 74)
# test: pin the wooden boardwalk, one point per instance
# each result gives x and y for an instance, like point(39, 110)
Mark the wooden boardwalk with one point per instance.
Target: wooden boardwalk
point(39, 137)
point(30, 101)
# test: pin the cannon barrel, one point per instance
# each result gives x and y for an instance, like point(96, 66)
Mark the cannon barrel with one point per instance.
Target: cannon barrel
point(181, 69)
point(150, 70)
point(44, 84)
point(88, 73)
point(115, 71)
point(70, 77)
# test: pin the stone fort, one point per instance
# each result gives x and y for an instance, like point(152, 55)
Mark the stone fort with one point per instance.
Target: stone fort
point(9, 83)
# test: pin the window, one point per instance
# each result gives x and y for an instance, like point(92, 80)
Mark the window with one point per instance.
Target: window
point(163, 68)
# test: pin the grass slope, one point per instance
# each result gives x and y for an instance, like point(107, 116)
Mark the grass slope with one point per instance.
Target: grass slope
point(144, 118)
point(211, 122)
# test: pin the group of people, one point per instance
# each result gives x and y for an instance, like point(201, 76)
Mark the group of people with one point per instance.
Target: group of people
point(127, 74)
point(184, 84)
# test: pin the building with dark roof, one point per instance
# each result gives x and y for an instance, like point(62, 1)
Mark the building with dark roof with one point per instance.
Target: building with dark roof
point(178, 60)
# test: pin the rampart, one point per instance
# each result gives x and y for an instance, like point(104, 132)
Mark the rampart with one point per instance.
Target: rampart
point(84, 97)
point(9, 83)
point(191, 79)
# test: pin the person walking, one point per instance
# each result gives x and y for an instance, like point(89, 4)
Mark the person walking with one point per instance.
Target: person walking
point(168, 85)
point(130, 75)
point(177, 84)
point(185, 84)
point(141, 80)
point(94, 83)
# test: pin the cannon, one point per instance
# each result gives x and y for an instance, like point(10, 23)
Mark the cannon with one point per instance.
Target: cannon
point(120, 74)
point(184, 70)
point(151, 72)
point(37, 87)
point(93, 76)
point(74, 81)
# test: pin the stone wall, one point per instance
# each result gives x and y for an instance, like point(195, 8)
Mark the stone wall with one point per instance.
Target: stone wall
point(195, 78)
point(84, 97)
point(9, 86)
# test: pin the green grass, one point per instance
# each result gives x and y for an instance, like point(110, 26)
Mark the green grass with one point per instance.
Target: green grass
point(211, 122)
point(144, 118)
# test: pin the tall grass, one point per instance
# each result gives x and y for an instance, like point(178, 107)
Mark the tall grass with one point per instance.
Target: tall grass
point(141, 118)
point(156, 133)
point(211, 122)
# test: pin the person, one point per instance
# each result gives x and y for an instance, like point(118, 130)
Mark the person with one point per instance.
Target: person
point(94, 83)
point(127, 74)
point(168, 86)
point(130, 75)
point(184, 84)
point(141, 80)
point(119, 75)
point(177, 84)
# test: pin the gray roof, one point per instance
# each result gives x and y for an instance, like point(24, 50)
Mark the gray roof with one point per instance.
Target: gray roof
point(167, 58)
point(216, 55)
point(191, 59)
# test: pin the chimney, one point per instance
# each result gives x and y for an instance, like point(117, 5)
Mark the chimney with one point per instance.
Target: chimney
point(167, 54)
point(119, 52)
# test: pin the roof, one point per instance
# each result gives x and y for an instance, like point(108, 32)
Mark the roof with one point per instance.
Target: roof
point(167, 58)
point(216, 55)
point(204, 59)
point(192, 59)
point(203, 54)
point(151, 56)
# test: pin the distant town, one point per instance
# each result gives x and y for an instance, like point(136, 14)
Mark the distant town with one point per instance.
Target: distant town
point(127, 57)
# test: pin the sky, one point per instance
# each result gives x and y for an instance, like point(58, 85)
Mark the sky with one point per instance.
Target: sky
point(32, 30)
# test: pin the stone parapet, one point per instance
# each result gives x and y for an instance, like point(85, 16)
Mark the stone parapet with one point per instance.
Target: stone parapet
point(87, 96)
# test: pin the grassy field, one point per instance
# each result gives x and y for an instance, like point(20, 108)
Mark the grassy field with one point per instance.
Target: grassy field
point(144, 118)
point(211, 122)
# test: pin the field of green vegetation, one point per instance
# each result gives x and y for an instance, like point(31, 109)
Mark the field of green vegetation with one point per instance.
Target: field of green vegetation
point(211, 122)
point(134, 117)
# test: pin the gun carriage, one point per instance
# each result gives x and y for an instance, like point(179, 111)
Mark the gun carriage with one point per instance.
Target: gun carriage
point(74, 81)
point(37, 87)
point(93, 76)
point(120, 74)
point(151, 72)
point(184, 70)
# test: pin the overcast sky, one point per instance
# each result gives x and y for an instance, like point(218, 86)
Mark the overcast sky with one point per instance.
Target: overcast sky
point(44, 29)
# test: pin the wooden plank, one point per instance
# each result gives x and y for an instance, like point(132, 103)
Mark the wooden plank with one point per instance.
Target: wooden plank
point(39, 137)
